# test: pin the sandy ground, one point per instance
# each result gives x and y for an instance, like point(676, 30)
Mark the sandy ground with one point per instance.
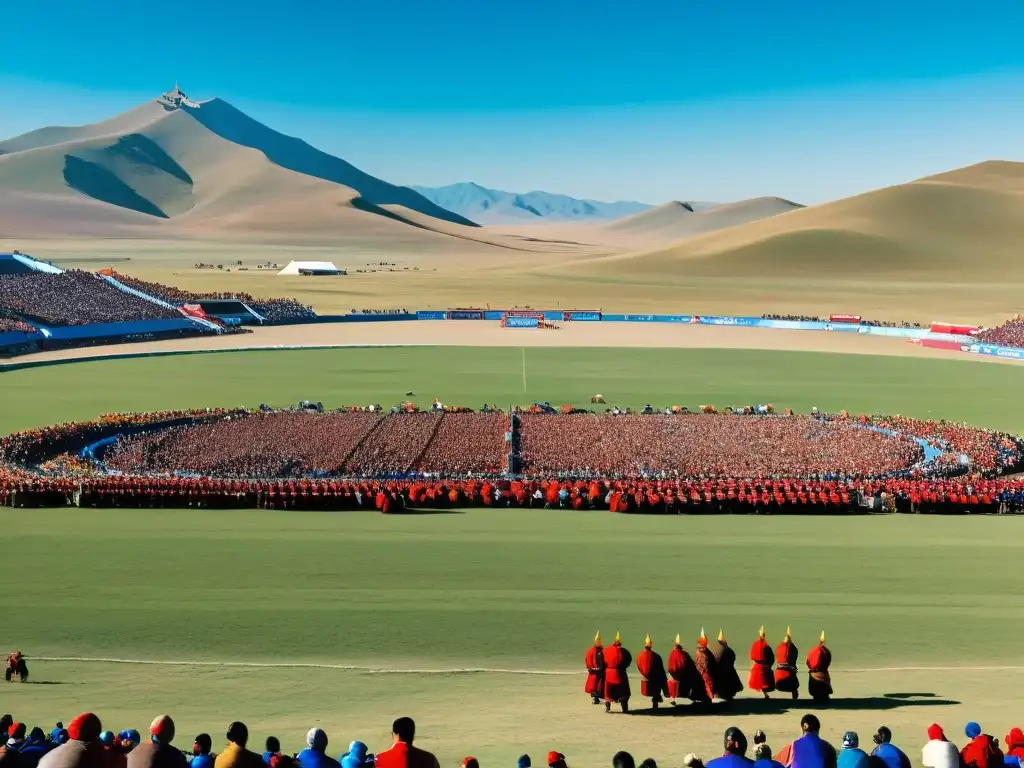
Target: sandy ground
point(484, 333)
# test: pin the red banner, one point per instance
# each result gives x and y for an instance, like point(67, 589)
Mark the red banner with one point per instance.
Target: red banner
point(195, 310)
point(960, 330)
point(844, 318)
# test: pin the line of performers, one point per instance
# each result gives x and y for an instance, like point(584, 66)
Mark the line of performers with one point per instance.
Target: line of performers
point(707, 675)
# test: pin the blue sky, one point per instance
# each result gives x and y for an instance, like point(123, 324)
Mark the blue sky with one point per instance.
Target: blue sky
point(649, 101)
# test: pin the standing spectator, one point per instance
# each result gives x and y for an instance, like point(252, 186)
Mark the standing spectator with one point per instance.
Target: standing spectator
point(315, 753)
point(235, 755)
point(852, 755)
point(735, 751)
point(402, 753)
point(982, 751)
point(157, 752)
point(82, 749)
point(270, 748)
point(202, 752)
point(887, 752)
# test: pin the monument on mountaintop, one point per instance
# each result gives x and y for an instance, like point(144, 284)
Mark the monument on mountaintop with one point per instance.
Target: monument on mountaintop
point(176, 98)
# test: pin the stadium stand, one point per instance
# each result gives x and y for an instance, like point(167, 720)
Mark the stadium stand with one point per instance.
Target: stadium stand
point(1009, 334)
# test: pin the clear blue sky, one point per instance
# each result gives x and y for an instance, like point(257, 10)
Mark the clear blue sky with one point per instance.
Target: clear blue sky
point(644, 100)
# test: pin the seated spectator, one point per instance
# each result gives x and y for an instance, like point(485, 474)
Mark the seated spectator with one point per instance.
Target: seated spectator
point(315, 753)
point(623, 760)
point(157, 752)
point(810, 750)
point(82, 749)
point(34, 748)
point(1014, 745)
point(690, 760)
point(982, 751)
point(271, 747)
point(763, 756)
point(524, 762)
point(235, 754)
point(556, 760)
point(735, 751)
point(402, 754)
point(202, 752)
point(852, 756)
point(357, 756)
point(887, 752)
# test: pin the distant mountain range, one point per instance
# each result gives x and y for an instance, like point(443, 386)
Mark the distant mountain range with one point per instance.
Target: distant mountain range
point(495, 206)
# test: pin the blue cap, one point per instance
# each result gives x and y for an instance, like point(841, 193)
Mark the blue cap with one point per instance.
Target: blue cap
point(107, 738)
point(523, 762)
point(973, 730)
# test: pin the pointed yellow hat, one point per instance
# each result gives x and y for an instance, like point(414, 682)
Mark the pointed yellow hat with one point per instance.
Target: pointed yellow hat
point(703, 639)
point(721, 636)
point(788, 636)
point(647, 641)
point(760, 632)
point(597, 638)
point(678, 640)
point(822, 638)
point(617, 638)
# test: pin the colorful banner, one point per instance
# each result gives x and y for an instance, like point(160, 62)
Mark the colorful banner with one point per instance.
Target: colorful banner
point(844, 318)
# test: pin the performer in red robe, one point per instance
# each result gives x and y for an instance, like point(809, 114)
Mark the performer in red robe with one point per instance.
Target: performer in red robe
point(684, 682)
point(595, 670)
point(761, 680)
point(653, 680)
point(727, 680)
point(705, 665)
point(616, 681)
point(786, 656)
point(818, 661)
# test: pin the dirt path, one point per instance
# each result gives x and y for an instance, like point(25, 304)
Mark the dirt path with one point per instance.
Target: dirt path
point(484, 333)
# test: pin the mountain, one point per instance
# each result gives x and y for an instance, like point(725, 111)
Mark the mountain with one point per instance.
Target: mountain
point(494, 206)
point(204, 167)
point(679, 219)
point(933, 229)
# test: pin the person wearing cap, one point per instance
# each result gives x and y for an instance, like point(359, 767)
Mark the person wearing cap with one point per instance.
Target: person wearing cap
point(684, 682)
point(704, 663)
point(202, 752)
point(1014, 747)
point(653, 679)
point(114, 756)
point(315, 754)
point(735, 751)
point(852, 756)
point(616, 678)
point(524, 762)
point(12, 740)
point(157, 752)
point(357, 756)
point(82, 749)
point(786, 657)
point(594, 659)
point(34, 748)
point(887, 752)
point(556, 760)
point(727, 680)
point(470, 762)
point(402, 754)
point(982, 751)
point(819, 683)
point(939, 752)
point(762, 658)
point(235, 754)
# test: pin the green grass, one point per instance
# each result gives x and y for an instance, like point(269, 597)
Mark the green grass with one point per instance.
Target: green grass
point(983, 394)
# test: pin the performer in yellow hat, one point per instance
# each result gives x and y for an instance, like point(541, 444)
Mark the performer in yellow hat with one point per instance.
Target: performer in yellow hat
point(594, 660)
point(727, 681)
point(653, 680)
point(761, 679)
point(819, 685)
point(684, 682)
point(616, 680)
point(704, 661)
point(786, 658)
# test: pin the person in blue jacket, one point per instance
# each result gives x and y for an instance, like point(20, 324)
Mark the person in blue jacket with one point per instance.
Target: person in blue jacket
point(887, 752)
point(315, 755)
point(272, 747)
point(356, 757)
point(57, 729)
point(34, 748)
point(202, 752)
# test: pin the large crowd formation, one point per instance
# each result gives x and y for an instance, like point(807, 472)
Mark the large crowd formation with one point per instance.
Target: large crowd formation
point(1009, 334)
point(85, 744)
point(74, 297)
point(8, 324)
point(275, 310)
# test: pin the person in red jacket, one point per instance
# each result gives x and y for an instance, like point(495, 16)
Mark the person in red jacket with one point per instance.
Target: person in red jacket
point(616, 681)
point(402, 753)
point(982, 751)
point(684, 682)
point(653, 680)
point(1015, 743)
point(819, 685)
point(786, 656)
point(594, 660)
point(762, 679)
point(704, 662)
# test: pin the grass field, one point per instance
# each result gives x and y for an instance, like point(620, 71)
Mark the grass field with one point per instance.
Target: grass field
point(986, 395)
point(913, 606)
point(924, 614)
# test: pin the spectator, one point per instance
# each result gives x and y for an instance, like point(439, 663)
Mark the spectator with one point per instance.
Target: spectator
point(114, 755)
point(982, 751)
point(402, 753)
point(810, 750)
point(887, 752)
point(852, 756)
point(5, 725)
point(157, 752)
point(556, 760)
point(690, 760)
point(315, 753)
point(357, 756)
point(470, 762)
point(34, 748)
point(735, 751)
point(56, 730)
point(623, 760)
point(763, 755)
point(82, 749)
point(235, 755)
point(271, 747)
point(202, 752)
point(649, 762)
point(524, 762)
point(11, 745)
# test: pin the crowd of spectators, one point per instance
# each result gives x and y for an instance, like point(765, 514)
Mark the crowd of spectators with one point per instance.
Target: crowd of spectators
point(796, 318)
point(74, 297)
point(381, 312)
point(8, 324)
point(890, 324)
point(816, 319)
point(85, 744)
point(275, 310)
point(710, 445)
point(1009, 334)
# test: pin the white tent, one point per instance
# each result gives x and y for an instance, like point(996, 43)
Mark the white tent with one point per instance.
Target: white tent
point(311, 268)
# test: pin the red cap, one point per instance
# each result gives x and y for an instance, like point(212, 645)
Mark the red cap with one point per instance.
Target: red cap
point(935, 732)
point(162, 729)
point(470, 762)
point(554, 757)
point(85, 727)
point(13, 731)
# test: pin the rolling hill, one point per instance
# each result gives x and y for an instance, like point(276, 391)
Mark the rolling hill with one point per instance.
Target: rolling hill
point(495, 206)
point(939, 226)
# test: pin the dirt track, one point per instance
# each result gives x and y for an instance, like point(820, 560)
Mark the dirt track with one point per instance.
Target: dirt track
point(482, 333)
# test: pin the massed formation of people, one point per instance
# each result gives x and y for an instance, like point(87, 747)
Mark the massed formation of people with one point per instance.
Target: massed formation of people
point(706, 676)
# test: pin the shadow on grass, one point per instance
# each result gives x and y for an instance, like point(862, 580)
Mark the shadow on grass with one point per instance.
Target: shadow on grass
point(409, 511)
point(882, 703)
point(49, 682)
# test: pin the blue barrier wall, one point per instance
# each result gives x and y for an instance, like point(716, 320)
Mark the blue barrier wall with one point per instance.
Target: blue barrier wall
point(996, 351)
point(99, 330)
point(430, 314)
point(350, 318)
point(522, 322)
point(16, 338)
